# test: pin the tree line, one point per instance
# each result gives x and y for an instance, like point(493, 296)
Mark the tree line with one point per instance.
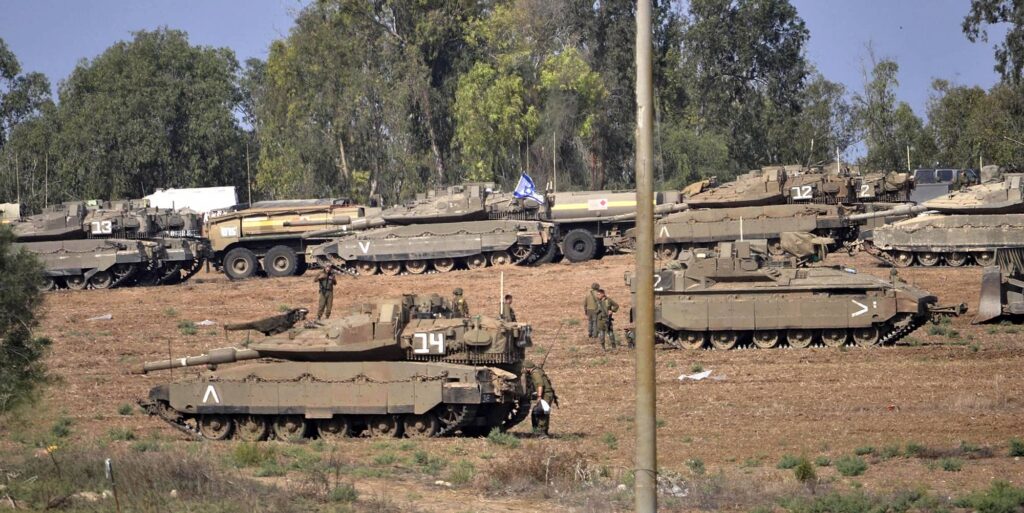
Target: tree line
point(389, 97)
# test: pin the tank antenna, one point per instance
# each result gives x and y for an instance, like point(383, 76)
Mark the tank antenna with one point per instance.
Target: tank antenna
point(646, 393)
point(501, 297)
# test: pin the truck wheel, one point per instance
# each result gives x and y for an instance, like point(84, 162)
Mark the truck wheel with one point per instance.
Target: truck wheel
point(240, 263)
point(579, 245)
point(280, 261)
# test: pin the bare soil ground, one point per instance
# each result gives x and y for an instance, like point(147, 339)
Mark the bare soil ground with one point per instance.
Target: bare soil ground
point(937, 390)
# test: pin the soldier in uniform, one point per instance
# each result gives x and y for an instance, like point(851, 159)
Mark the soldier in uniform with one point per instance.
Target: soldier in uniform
point(507, 313)
point(540, 386)
point(460, 308)
point(606, 308)
point(326, 280)
point(590, 308)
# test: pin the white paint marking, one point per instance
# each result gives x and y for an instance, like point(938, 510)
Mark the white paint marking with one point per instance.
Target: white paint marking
point(663, 233)
point(863, 308)
point(210, 391)
point(364, 246)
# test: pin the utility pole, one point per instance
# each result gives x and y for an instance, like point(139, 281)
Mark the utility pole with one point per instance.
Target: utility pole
point(646, 394)
point(248, 178)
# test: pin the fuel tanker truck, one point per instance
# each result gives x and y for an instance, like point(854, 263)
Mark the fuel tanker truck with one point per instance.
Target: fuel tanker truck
point(404, 366)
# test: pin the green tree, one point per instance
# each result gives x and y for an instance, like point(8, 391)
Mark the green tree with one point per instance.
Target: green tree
point(970, 123)
point(150, 113)
point(1009, 53)
point(21, 352)
point(888, 126)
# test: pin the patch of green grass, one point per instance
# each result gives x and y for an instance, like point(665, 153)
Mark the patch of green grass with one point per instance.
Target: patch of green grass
point(974, 348)
point(914, 449)
point(910, 341)
point(121, 434)
point(146, 446)
point(385, 458)
point(861, 502)
point(696, 465)
point(787, 462)
point(497, 437)
point(687, 439)
point(851, 466)
point(822, 461)
point(600, 362)
point(284, 308)
point(670, 364)
point(248, 454)
point(610, 440)
point(432, 465)
point(62, 427)
point(1001, 497)
point(170, 312)
point(345, 493)
point(369, 472)
point(406, 445)
point(659, 423)
point(696, 367)
point(125, 409)
point(890, 452)
point(753, 462)
point(804, 471)
point(461, 472)
point(271, 468)
point(1013, 330)
point(951, 464)
point(864, 450)
point(187, 328)
point(967, 447)
point(1016, 447)
point(572, 322)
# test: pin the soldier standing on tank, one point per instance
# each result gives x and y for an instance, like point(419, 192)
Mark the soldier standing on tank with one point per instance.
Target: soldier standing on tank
point(326, 280)
point(590, 308)
point(540, 387)
point(460, 308)
point(507, 313)
point(606, 308)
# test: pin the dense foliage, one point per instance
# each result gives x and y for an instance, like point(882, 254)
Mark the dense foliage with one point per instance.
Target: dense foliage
point(367, 97)
point(21, 368)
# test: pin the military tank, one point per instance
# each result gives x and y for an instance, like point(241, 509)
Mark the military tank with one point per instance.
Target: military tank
point(442, 247)
point(739, 295)
point(1002, 287)
point(391, 367)
point(93, 244)
point(960, 228)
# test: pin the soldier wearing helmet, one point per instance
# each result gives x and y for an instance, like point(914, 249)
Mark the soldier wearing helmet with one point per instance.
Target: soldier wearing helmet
point(590, 308)
point(460, 308)
point(540, 387)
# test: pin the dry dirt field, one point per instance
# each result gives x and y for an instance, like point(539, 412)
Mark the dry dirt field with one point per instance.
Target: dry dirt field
point(936, 390)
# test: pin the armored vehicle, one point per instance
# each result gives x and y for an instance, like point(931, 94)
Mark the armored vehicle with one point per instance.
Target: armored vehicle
point(106, 244)
point(737, 296)
point(272, 237)
point(1002, 287)
point(934, 183)
point(441, 247)
point(391, 367)
point(704, 228)
point(957, 229)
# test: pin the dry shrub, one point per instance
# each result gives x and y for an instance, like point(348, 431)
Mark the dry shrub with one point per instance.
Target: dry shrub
point(540, 467)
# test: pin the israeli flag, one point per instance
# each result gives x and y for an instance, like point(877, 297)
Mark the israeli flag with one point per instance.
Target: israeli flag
point(526, 189)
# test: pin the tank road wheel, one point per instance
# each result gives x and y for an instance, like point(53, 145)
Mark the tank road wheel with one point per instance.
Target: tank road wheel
point(334, 428)
point(833, 337)
point(382, 426)
point(46, 283)
point(280, 261)
point(367, 268)
point(240, 263)
point(215, 427)
point(775, 248)
point(766, 339)
point(290, 428)
point(122, 272)
point(724, 340)
point(666, 251)
point(390, 268)
point(800, 338)
point(501, 258)
point(520, 253)
point(421, 426)
point(693, 339)
point(251, 428)
point(866, 337)
point(76, 282)
point(579, 245)
point(101, 280)
point(476, 262)
point(985, 258)
point(416, 266)
point(902, 258)
point(443, 265)
point(956, 259)
point(928, 259)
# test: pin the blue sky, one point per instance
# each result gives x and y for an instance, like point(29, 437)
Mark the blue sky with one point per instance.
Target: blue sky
point(923, 36)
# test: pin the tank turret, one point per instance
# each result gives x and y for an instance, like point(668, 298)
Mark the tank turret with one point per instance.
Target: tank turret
point(1001, 197)
point(389, 366)
point(737, 295)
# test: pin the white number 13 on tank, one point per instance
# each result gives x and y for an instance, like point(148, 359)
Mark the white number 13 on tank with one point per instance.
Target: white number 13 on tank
point(428, 343)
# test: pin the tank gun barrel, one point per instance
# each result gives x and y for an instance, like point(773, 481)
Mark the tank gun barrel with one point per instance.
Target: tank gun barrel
point(359, 224)
point(214, 357)
point(339, 220)
point(902, 210)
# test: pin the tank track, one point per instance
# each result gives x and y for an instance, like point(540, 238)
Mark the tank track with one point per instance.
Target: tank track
point(890, 337)
point(895, 335)
point(518, 414)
